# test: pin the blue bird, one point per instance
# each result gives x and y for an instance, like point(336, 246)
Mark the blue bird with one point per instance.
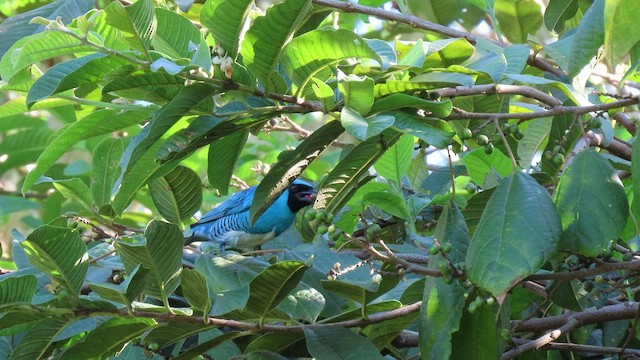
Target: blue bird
point(228, 223)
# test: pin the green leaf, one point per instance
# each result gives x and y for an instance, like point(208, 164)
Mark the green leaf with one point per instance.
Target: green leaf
point(72, 73)
point(502, 250)
point(440, 315)
point(364, 128)
point(357, 93)
point(137, 20)
point(163, 120)
point(127, 291)
point(109, 337)
point(60, 253)
point(264, 41)
point(592, 204)
point(173, 332)
point(323, 93)
point(225, 20)
point(447, 52)
point(174, 33)
point(534, 136)
point(310, 54)
point(518, 18)
point(399, 101)
point(75, 189)
point(11, 204)
point(339, 344)
point(588, 38)
point(397, 86)
point(17, 289)
point(177, 195)
point(635, 168)
point(228, 281)
point(271, 286)
point(17, 27)
point(394, 163)
point(195, 290)
point(342, 181)
point(155, 86)
point(161, 254)
point(452, 228)
point(480, 165)
point(558, 12)
point(620, 30)
point(290, 165)
point(105, 169)
point(435, 132)
point(90, 126)
point(390, 203)
point(37, 339)
point(23, 147)
point(222, 159)
point(203, 347)
point(477, 337)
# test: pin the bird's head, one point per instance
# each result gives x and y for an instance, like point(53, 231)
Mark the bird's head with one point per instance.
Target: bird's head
point(301, 194)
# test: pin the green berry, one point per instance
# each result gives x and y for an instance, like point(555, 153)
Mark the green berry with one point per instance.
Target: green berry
point(435, 249)
point(473, 307)
point(557, 149)
point(376, 279)
point(321, 215)
point(322, 229)
point(482, 139)
point(447, 247)
point(466, 134)
point(154, 346)
point(558, 159)
point(598, 279)
point(505, 334)
point(456, 147)
point(519, 135)
point(447, 280)
point(490, 301)
point(471, 188)
point(331, 229)
point(505, 127)
point(607, 254)
point(329, 218)
point(488, 149)
point(595, 123)
point(627, 256)
point(513, 128)
point(310, 215)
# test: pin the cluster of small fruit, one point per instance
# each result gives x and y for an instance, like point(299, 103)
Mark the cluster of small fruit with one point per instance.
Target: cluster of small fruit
point(483, 140)
point(324, 221)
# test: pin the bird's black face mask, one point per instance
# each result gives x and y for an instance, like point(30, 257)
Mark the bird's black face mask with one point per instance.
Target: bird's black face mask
point(300, 196)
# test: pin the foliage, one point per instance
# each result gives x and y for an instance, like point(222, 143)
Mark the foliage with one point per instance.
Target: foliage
point(476, 188)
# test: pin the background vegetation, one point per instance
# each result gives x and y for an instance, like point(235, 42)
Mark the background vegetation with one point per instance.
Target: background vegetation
point(474, 161)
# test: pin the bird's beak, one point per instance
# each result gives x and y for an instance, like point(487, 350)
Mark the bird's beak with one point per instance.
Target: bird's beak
point(310, 195)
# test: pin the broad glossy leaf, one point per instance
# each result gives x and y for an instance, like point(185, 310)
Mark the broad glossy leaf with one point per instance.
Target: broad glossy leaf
point(137, 20)
point(480, 165)
point(364, 128)
point(434, 131)
point(17, 27)
point(592, 204)
point(502, 250)
point(222, 159)
point(171, 333)
point(177, 195)
point(60, 253)
point(452, 228)
point(225, 20)
point(75, 189)
point(399, 101)
point(534, 136)
point(228, 281)
point(195, 290)
point(127, 291)
point(72, 73)
point(588, 38)
point(37, 339)
point(105, 171)
point(342, 181)
point(518, 18)
point(264, 41)
point(440, 315)
point(161, 254)
point(10, 204)
point(339, 344)
point(155, 86)
point(92, 125)
point(390, 203)
point(477, 335)
point(620, 30)
point(36, 48)
point(357, 93)
point(204, 346)
point(309, 54)
point(163, 120)
point(271, 286)
point(447, 52)
point(109, 338)
point(394, 163)
point(23, 147)
point(558, 12)
point(291, 165)
point(174, 34)
point(17, 289)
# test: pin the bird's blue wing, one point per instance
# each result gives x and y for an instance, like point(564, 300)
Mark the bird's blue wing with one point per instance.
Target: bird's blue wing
point(237, 203)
